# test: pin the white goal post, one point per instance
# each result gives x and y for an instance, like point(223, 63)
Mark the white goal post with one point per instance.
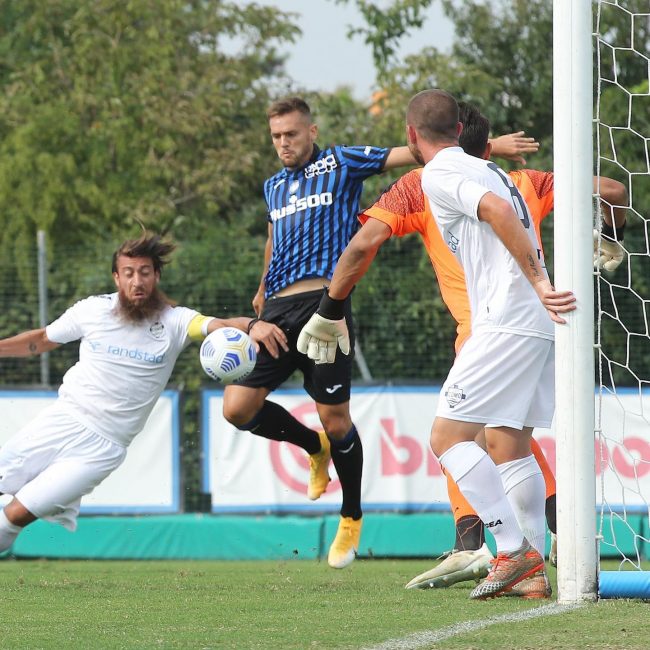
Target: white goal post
point(590, 522)
point(573, 255)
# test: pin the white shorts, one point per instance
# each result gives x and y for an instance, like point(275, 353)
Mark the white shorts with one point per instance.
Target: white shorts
point(53, 461)
point(501, 379)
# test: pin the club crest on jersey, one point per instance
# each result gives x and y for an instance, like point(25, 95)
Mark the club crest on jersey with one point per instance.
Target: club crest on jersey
point(293, 188)
point(157, 330)
point(454, 395)
point(322, 166)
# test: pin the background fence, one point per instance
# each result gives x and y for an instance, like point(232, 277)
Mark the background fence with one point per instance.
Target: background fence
point(403, 328)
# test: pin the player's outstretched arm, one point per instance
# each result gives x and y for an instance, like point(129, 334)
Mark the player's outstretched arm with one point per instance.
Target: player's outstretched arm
point(608, 248)
point(399, 157)
point(27, 344)
point(502, 218)
point(513, 146)
point(262, 333)
point(326, 329)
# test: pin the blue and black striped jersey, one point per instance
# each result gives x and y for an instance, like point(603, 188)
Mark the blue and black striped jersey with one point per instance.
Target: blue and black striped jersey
point(314, 212)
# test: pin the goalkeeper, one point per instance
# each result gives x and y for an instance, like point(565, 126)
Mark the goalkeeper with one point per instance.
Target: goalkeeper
point(403, 209)
point(129, 343)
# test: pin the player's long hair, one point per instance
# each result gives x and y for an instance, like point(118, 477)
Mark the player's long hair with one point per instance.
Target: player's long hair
point(147, 245)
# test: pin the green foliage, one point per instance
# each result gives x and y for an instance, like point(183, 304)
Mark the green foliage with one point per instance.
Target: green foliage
point(501, 60)
point(116, 111)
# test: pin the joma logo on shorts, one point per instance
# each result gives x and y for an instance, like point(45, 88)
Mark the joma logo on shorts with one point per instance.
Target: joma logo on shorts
point(322, 166)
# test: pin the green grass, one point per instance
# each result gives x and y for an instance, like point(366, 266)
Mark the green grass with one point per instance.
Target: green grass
point(295, 604)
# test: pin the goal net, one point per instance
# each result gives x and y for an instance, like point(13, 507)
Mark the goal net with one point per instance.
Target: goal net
point(621, 47)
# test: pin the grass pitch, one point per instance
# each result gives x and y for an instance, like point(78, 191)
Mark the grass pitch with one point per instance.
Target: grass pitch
point(295, 604)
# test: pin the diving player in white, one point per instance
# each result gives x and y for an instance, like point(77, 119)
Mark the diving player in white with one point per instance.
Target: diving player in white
point(129, 343)
point(503, 376)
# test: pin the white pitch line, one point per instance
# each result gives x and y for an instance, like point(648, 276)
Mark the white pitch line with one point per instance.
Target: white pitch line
point(425, 639)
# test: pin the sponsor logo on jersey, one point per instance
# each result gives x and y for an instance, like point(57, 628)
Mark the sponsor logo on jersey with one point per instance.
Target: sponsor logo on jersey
point(453, 242)
point(455, 395)
point(322, 166)
point(299, 205)
point(293, 188)
point(135, 353)
point(157, 330)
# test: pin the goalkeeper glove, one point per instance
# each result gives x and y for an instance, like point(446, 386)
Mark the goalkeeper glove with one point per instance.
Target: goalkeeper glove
point(325, 331)
point(610, 254)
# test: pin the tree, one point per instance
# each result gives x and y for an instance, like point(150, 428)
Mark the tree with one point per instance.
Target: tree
point(111, 111)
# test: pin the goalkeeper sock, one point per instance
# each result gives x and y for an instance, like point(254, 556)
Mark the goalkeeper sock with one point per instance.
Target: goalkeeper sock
point(347, 456)
point(8, 532)
point(470, 534)
point(524, 484)
point(276, 423)
point(480, 482)
point(551, 513)
point(547, 472)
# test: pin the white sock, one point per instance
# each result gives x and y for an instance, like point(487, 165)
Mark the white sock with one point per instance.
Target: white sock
point(523, 482)
point(8, 532)
point(479, 480)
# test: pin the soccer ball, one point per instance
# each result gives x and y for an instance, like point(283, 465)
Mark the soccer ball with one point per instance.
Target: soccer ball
point(227, 355)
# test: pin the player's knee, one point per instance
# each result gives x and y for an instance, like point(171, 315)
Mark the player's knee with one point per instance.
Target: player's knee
point(336, 426)
point(17, 514)
point(12, 522)
point(237, 415)
point(438, 442)
point(239, 412)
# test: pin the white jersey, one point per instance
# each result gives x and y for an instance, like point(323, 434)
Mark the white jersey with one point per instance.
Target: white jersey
point(123, 367)
point(501, 297)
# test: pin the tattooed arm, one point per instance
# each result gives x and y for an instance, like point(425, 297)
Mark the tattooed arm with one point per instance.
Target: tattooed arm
point(26, 344)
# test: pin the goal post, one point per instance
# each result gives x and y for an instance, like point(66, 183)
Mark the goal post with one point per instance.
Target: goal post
point(602, 418)
point(573, 269)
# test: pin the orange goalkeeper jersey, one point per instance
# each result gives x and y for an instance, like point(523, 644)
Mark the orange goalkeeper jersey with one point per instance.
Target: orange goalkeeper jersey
point(404, 209)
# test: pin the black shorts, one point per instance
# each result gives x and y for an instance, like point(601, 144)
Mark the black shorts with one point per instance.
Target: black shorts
point(326, 383)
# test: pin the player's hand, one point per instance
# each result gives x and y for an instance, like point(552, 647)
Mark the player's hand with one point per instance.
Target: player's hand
point(513, 146)
point(610, 254)
point(270, 336)
point(321, 336)
point(556, 302)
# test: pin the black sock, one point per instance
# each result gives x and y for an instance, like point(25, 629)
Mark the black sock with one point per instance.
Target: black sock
point(551, 514)
point(347, 456)
point(276, 423)
point(470, 534)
